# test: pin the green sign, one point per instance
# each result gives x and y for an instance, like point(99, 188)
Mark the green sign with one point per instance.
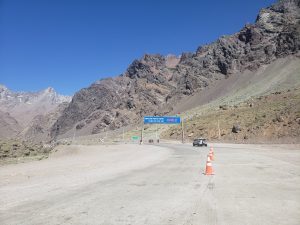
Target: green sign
point(135, 137)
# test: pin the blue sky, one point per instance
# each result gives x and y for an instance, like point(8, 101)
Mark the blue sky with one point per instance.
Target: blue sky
point(69, 44)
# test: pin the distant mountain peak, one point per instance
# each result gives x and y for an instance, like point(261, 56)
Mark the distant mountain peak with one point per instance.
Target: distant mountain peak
point(3, 88)
point(49, 90)
point(25, 106)
point(11, 98)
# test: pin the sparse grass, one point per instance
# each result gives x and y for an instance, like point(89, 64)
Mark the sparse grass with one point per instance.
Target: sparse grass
point(270, 117)
point(12, 151)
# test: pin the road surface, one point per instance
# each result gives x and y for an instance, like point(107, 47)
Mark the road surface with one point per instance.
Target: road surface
point(154, 185)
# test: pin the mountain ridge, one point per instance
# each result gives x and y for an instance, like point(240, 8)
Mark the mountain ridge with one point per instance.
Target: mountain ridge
point(150, 86)
point(28, 97)
point(20, 108)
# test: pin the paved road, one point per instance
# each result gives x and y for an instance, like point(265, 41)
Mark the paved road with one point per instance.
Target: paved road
point(253, 185)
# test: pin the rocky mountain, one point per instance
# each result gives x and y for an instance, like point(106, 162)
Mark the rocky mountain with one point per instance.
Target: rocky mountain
point(10, 99)
point(9, 127)
point(154, 84)
point(38, 130)
point(18, 109)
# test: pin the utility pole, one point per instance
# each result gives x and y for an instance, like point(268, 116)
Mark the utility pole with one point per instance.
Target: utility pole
point(182, 131)
point(141, 141)
point(123, 135)
point(219, 129)
point(74, 136)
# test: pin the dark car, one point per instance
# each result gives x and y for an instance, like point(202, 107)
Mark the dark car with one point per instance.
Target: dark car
point(200, 142)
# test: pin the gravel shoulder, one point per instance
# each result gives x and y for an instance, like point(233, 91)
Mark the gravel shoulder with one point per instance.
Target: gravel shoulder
point(133, 184)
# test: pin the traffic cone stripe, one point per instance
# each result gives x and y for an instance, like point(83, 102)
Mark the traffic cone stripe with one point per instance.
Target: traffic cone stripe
point(211, 156)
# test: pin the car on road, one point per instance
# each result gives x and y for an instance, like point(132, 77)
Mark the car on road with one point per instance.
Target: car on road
point(200, 142)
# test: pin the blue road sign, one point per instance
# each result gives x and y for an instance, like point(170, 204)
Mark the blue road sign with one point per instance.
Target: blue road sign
point(161, 119)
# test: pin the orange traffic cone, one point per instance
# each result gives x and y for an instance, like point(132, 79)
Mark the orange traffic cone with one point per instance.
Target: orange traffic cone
point(208, 169)
point(211, 156)
point(211, 153)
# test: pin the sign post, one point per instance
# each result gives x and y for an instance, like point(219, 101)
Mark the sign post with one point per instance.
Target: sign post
point(162, 120)
point(156, 132)
point(141, 141)
point(182, 132)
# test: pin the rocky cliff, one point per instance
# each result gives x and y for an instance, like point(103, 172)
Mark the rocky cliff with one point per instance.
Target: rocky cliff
point(153, 84)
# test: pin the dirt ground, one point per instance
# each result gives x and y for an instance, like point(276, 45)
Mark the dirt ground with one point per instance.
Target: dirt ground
point(133, 184)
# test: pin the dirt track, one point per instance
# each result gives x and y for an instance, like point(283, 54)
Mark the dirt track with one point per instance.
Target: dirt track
point(131, 184)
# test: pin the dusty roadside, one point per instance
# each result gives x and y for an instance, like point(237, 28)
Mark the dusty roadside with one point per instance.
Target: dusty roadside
point(71, 167)
point(134, 184)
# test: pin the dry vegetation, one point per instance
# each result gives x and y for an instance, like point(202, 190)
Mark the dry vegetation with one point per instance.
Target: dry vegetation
point(12, 151)
point(271, 118)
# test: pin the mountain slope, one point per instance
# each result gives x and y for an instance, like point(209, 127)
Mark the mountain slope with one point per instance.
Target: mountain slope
point(24, 106)
point(9, 127)
point(271, 118)
point(154, 84)
point(18, 109)
point(280, 75)
point(38, 129)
